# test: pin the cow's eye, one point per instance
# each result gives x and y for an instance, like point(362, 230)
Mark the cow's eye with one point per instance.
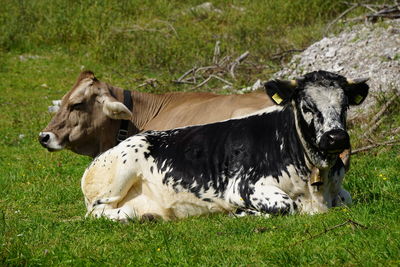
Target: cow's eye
point(76, 106)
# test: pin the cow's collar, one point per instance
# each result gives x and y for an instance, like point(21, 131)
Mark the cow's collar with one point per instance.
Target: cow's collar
point(124, 125)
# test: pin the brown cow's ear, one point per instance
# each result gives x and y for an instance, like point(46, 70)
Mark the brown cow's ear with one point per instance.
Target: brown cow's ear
point(86, 74)
point(116, 110)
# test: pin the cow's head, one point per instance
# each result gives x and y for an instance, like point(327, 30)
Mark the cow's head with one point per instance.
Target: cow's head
point(320, 100)
point(82, 122)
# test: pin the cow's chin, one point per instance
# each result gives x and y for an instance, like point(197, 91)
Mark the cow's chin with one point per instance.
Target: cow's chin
point(323, 159)
point(53, 149)
point(85, 150)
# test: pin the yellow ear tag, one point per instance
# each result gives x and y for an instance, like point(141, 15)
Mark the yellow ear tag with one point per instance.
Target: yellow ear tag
point(358, 99)
point(277, 98)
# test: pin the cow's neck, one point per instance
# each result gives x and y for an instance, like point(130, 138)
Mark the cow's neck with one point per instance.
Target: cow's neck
point(146, 107)
point(295, 152)
point(123, 128)
point(294, 148)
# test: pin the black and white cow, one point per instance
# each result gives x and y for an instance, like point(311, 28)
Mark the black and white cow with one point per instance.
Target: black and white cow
point(258, 164)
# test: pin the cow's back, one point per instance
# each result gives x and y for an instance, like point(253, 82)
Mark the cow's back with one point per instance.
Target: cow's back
point(202, 108)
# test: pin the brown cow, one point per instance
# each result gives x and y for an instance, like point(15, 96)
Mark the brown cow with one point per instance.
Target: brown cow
point(88, 121)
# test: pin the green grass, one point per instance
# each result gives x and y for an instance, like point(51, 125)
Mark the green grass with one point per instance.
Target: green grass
point(41, 204)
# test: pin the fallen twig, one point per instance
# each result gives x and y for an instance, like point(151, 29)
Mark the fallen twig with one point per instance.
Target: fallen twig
point(378, 11)
point(179, 80)
point(152, 82)
point(219, 70)
point(202, 83)
point(366, 148)
point(222, 80)
point(392, 12)
point(237, 62)
point(349, 221)
point(217, 52)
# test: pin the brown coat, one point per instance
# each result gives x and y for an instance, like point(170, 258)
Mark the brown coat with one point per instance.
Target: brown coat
point(88, 119)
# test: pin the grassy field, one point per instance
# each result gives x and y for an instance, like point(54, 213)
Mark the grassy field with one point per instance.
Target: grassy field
point(44, 45)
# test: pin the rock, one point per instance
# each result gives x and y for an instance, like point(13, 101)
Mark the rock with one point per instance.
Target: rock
point(364, 50)
point(257, 85)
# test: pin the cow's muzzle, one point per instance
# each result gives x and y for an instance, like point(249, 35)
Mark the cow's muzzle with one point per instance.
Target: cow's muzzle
point(334, 141)
point(49, 141)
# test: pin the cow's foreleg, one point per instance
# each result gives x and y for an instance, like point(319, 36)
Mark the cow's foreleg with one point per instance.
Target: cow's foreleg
point(122, 214)
point(271, 200)
point(115, 177)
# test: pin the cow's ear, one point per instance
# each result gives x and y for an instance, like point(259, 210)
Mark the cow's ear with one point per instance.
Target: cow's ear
point(357, 91)
point(280, 91)
point(116, 110)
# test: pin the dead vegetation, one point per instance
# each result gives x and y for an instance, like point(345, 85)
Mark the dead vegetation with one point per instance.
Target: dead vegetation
point(374, 13)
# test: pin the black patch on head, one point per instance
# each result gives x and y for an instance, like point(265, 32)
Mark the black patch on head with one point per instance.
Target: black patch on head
point(320, 77)
point(151, 169)
point(356, 92)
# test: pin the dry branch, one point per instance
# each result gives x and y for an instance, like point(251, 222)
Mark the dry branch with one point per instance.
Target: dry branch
point(179, 80)
point(220, 68)
point(378, 11)
point(202, 83)
point(152, 82)
point(217, 52)
point(366, 148)
point(222, 80)
point(237, 62)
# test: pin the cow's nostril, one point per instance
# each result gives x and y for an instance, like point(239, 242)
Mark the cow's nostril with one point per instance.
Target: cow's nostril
point(331, 139)
point(44, 138)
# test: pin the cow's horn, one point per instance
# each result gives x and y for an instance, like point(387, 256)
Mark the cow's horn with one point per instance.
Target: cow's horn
point(356, 81)
point(294, 83)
